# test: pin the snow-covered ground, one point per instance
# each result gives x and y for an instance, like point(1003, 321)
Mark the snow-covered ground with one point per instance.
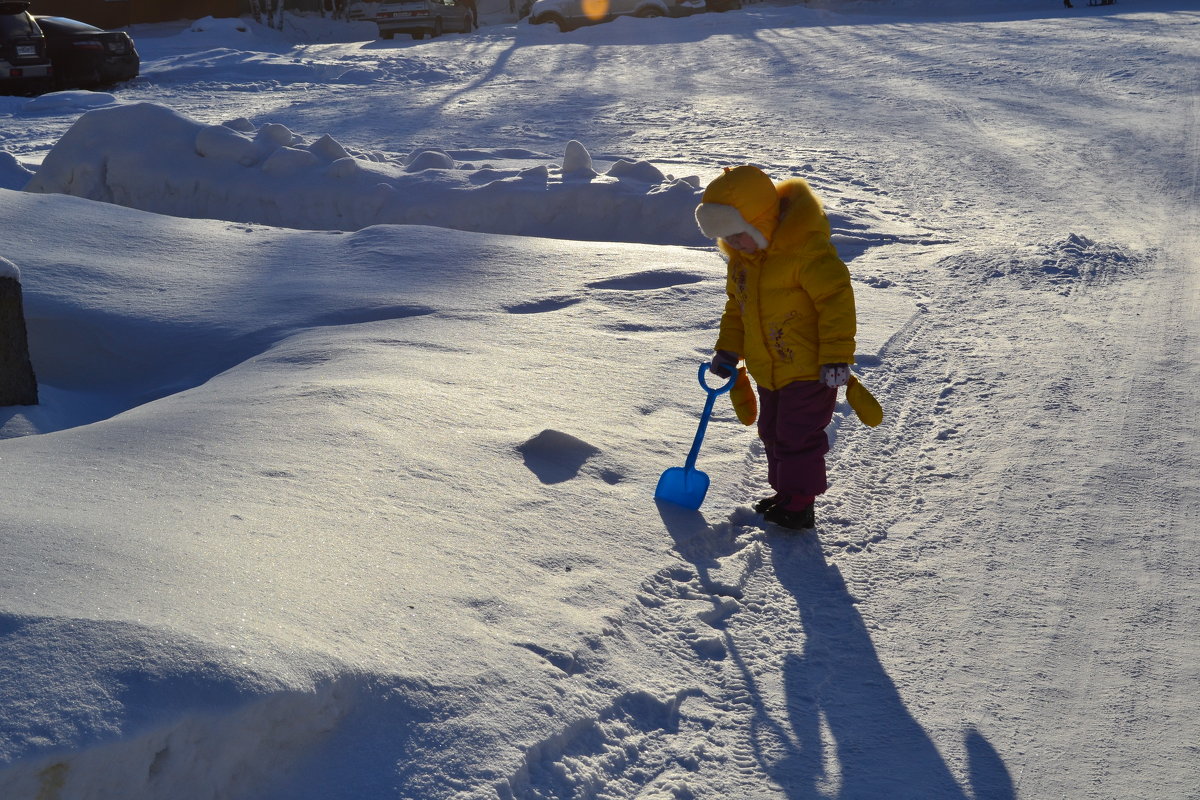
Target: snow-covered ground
point(356, 386)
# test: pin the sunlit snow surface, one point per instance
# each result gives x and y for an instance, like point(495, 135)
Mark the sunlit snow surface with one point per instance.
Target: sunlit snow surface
point(359, 361)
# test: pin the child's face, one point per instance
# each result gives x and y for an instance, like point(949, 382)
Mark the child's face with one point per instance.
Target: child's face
point(742, 242)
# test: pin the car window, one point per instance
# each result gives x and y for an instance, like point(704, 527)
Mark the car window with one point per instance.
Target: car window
point(64, 25)
point(18, 25)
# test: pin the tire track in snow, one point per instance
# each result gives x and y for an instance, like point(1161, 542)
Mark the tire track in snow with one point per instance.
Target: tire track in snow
point(1122, 678)
point(875, 474)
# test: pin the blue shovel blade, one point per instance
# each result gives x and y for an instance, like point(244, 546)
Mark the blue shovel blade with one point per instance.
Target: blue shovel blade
point(683, 487)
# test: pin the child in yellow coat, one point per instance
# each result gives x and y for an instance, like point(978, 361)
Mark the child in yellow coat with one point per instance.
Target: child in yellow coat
point(791, 316)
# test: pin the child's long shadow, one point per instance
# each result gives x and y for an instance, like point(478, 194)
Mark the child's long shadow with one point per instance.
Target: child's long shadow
point(877, 749)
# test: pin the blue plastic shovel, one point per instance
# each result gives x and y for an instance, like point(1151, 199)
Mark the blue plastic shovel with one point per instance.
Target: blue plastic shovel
point(686, 485)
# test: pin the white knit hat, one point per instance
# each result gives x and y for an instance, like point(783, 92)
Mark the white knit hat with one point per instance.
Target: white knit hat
point(718, 221)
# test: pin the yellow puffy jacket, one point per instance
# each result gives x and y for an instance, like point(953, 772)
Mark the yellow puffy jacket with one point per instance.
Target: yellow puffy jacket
point(791, 306)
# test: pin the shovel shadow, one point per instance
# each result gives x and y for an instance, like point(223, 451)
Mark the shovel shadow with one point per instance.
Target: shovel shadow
point(696, 540)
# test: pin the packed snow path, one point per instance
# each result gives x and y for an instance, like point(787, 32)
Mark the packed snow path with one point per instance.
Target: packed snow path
point(1002, 601)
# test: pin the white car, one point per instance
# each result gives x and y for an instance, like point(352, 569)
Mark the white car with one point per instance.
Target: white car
point(571, 14)
point(362, 11)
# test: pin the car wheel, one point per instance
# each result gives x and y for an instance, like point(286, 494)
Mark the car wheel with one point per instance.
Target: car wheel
point(437, 28)
point(648, 12)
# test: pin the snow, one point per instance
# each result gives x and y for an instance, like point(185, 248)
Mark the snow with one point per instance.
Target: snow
point(359, 362)
point(149, 157)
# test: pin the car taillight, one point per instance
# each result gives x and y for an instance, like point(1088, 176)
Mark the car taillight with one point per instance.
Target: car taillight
point(88, 44)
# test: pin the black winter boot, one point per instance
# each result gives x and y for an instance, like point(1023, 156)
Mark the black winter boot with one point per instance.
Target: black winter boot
point(803, 520)
point(761, 506)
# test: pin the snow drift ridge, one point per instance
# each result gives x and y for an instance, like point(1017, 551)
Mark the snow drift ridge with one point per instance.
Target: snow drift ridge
point(269, 175)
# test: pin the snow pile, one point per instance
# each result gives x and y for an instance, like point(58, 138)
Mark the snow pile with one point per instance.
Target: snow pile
point(224, 28)
point(1058, 266)
point(148, 157)
point(297, 27)
point(13, 174)
point(150, 682)
point(68, 101)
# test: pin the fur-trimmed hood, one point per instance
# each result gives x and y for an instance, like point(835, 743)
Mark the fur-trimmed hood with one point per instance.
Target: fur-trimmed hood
point(800, 215)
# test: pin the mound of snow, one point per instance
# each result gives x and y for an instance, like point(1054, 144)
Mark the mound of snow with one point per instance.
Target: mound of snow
point(221, 28)
point(63, 102)
point(151, 158)
point(13, 174)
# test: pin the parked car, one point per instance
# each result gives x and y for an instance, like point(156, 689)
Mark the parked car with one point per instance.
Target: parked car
point(85, 56)
point(571, 14)
point(420, 17)
point(25, 66)
point(362, 11)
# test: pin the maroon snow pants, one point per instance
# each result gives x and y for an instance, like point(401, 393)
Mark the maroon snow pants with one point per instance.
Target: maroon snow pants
point(791, 423)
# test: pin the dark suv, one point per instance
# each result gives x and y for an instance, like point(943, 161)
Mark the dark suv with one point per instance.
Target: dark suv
point(86, 57)
point(24, 64)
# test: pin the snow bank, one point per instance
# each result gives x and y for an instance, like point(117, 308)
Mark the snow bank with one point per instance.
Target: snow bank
point(68, 101)
point(13, 174)
point(151, 686)
point(151, 158)
point(347, 519)
point(297, 27)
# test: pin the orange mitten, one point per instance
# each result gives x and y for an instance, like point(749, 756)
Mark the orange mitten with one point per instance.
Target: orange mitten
point(863, 402)
point(745, 404)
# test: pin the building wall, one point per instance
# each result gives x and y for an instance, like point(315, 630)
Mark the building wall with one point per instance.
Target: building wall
point(121, 13)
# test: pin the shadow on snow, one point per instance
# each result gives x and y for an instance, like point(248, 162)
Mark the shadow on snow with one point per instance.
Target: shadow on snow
point(848, 733)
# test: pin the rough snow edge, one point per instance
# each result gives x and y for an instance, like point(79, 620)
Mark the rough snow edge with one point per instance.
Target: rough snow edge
point(590, 750)
point(228, 754)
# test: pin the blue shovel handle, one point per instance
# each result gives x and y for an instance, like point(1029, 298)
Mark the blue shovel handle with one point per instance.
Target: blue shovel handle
point(708, 408)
